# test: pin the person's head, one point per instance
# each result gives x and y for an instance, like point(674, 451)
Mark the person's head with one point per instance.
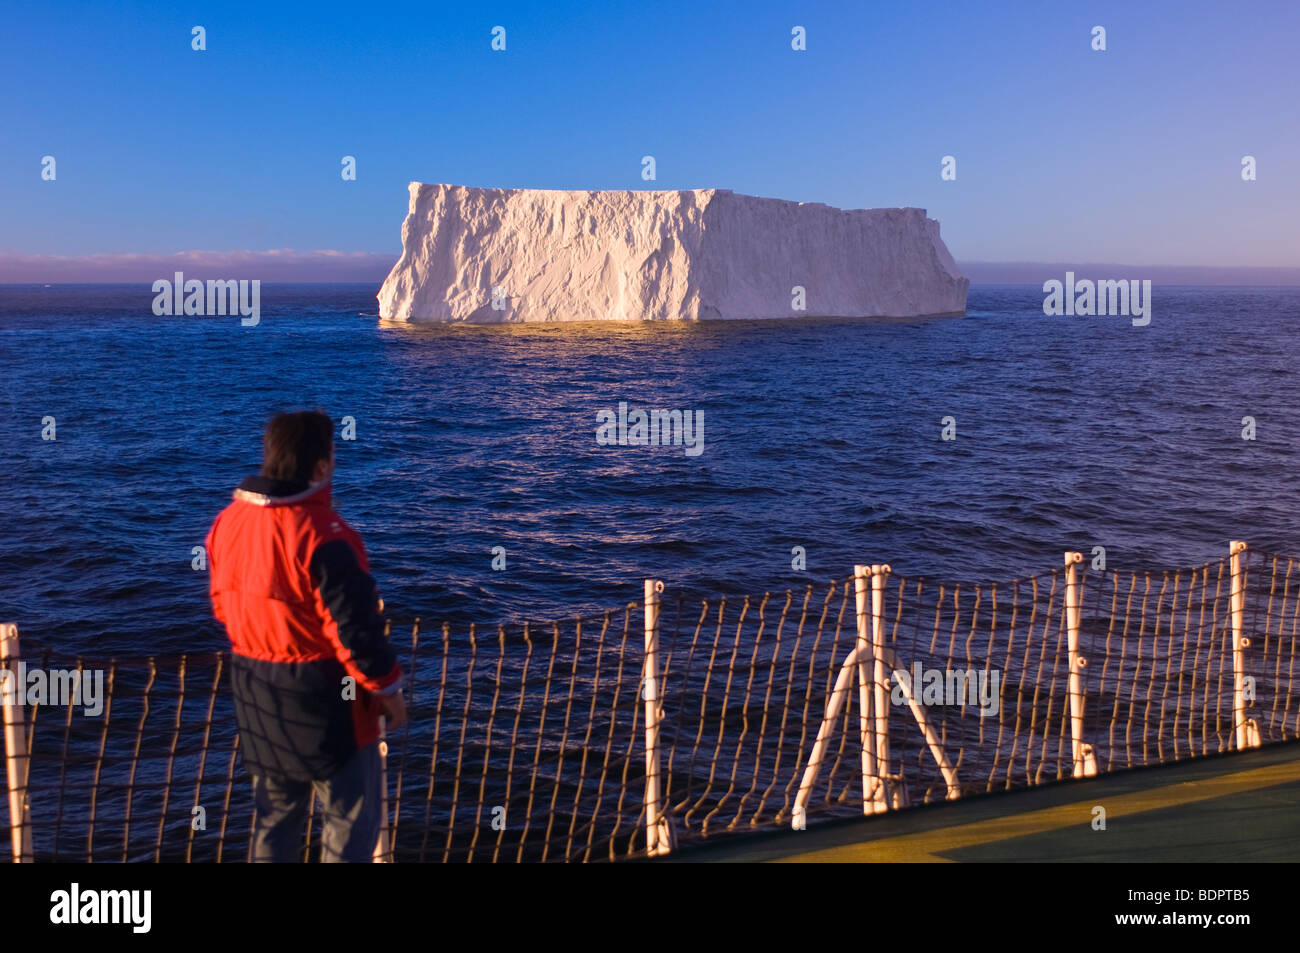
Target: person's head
point(299, 447)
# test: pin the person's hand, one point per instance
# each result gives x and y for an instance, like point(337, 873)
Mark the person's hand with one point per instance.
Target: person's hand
point(393, 708)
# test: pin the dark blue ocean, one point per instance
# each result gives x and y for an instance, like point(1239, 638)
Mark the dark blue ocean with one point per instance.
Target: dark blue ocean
point(1072, 432)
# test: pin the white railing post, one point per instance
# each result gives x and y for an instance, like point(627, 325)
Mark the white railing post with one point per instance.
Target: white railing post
point(880, 681)
point(834, 705)
point(658, 830)
point(1245, 730)
point(17, 762)
point(1085, 763)
point(873, 799)
point(382, 845)
point(931, 738)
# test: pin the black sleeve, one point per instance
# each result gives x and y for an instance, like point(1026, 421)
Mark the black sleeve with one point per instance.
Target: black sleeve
point(348, 592)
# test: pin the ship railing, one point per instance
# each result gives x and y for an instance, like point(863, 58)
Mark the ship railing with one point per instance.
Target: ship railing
point(675, 720)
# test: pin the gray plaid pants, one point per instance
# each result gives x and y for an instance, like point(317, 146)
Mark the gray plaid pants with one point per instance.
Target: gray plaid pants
point(350, 813)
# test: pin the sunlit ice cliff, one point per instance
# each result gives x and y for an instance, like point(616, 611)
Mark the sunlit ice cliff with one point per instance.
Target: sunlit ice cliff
point(490, 256)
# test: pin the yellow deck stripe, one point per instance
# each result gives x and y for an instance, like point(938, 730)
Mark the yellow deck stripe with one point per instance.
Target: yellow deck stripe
point(927, 845)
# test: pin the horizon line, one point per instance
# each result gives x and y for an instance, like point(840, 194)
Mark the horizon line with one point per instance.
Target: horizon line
point(330, 266)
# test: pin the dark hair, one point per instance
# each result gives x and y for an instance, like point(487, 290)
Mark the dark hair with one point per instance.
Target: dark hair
point(294, 443)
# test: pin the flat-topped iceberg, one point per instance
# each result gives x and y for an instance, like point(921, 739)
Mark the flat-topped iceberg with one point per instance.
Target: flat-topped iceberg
point(486, 256)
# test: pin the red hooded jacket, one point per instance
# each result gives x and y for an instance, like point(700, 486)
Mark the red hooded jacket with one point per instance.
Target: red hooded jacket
point(290, 581)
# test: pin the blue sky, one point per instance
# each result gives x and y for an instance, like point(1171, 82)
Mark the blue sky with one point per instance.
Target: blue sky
point(1063, 153)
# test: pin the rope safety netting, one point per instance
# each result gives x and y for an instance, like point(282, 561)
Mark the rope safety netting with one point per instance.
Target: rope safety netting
point(528, 742)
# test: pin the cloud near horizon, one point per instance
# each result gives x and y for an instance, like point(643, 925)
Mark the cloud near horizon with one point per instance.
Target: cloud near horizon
point(279, 264)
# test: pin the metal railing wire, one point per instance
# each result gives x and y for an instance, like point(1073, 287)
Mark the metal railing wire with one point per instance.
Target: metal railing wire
point(531, 742)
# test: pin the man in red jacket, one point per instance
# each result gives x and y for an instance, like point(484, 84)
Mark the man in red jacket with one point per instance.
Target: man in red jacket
point(312, 669)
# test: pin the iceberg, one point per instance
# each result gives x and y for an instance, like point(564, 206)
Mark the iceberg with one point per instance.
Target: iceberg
point(492, 256)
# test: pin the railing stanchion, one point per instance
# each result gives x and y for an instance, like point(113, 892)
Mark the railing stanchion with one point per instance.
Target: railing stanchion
point(931, 737)
point(382, 843)
point(17, 761)
point(1245, 730)
point(872, 796)
point(880, 681)
point(658, 829)
point(1085, 762)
